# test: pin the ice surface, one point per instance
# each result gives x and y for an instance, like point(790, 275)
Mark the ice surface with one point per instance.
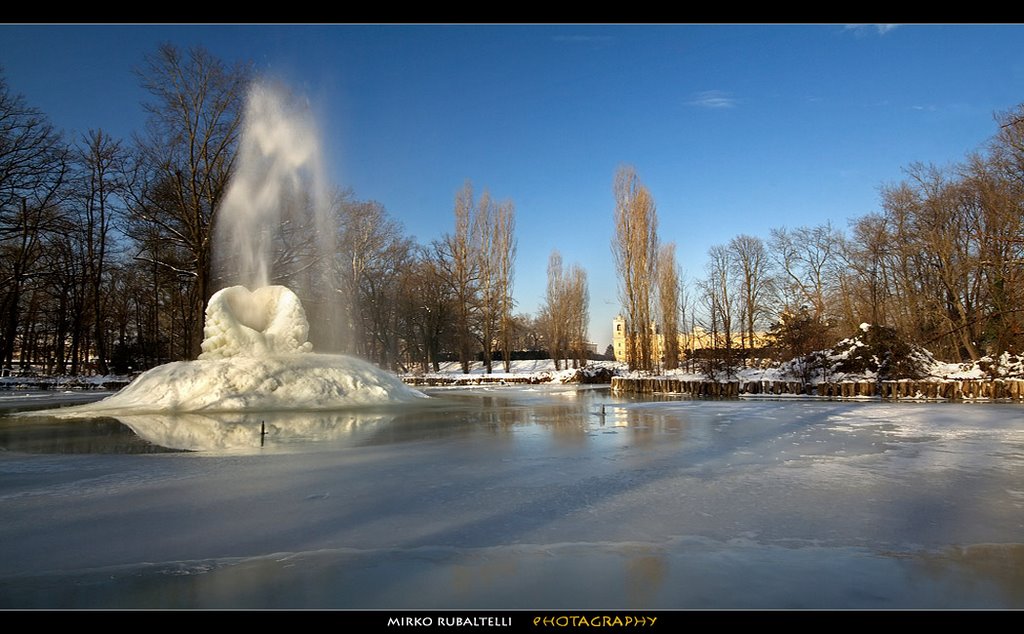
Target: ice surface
point(541, 497)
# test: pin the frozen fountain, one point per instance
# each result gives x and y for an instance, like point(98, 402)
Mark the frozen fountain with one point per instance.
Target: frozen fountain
point(256, 354)
point(256, 358)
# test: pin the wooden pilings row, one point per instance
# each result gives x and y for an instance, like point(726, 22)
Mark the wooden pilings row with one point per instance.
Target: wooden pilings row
point(966, 389)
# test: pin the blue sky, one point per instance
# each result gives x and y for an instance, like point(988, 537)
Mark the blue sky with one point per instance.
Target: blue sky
point(734, 129)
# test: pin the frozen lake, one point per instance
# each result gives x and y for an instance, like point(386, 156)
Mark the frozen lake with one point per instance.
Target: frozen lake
point(551, 497)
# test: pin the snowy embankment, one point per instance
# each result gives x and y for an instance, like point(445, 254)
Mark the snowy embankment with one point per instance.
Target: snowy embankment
point(937, 371)
point(874, 363)
point(871, 364)
point(522, 371)
point(543, 371)
point(77, 382)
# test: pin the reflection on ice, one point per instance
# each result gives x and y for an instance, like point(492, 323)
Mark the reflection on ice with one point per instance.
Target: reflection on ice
point(247, 432)
point(539, 497)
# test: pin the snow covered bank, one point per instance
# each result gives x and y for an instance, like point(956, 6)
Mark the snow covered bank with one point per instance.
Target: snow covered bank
point(531, 371)
point(80, 382)
point(873, 363)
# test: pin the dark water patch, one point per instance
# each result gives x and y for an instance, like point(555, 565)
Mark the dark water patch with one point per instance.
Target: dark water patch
point(47, 435)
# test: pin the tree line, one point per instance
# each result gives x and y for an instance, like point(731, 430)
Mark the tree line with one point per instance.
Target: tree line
point(106, 254)
point(941, 264)
point(107, 251)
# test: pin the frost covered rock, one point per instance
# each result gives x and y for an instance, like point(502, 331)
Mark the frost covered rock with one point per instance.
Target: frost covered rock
point(244, 323)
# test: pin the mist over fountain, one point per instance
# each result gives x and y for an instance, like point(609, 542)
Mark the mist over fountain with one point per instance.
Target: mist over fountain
point(274, 227)
point(276, 224)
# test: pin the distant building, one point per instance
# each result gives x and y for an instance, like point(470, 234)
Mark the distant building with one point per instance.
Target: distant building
point(619, 338)
point(697, 339)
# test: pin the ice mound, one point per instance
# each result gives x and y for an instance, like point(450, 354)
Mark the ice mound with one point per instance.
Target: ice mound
point(292, 382)
point(240, 322)
point(255, 358)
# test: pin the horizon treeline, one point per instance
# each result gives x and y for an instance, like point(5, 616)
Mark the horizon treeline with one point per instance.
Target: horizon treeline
point(940, 264)
point(106, 254)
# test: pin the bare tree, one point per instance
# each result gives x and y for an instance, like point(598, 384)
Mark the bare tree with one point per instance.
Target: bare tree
point(668, 302)
point(34, 164)
point(376, 257)
point(478, 259)
point(493, 246)
point(187, 156)
point(806, 258)
point(720, 300)
point(489, 287)
point(750, 263)
point(635, 252)
point(577, 313)
point(374, 251)
point(565, 313)
point(688, 318)
point(553, 312)
point(379, 292)
point(98, 200)
point(505, 256)
point(458, 256)
point(942, 241)
point(998, 179)
point(427, 304)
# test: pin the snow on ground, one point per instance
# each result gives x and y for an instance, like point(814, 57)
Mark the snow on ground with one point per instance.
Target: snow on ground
point(549, 496)
point(1005, 366)
point(77, 382)
point(760, 370)
point(519, 367)
point(539, 370)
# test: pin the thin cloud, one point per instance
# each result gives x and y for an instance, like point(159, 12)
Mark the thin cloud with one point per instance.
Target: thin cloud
point(881, 29)
point(713, 99)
